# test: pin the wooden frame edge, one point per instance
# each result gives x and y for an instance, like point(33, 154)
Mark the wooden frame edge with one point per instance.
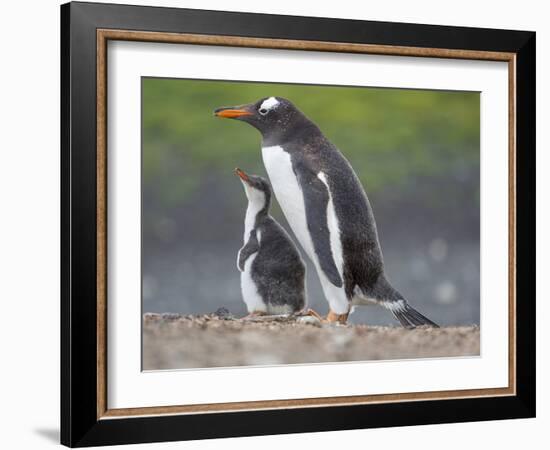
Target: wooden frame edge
point(290, 44)
point(303, 403)
point(101, 223)
point(512, 328)
point(103, 35)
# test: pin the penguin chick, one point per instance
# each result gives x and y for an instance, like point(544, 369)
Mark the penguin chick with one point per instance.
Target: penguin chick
point(272, 270)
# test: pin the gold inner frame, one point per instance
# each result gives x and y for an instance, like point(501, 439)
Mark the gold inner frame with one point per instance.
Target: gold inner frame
point(104, 35)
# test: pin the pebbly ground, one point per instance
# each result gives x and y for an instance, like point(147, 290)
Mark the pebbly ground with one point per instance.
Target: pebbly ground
point(175, 341)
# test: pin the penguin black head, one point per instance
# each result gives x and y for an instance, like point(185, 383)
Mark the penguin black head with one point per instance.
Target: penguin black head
point(257, 189)
point(274, 117)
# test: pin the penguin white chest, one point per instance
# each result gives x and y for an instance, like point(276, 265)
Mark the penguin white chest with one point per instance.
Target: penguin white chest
point(251, 296)
point(289, 194)
point(285, 185)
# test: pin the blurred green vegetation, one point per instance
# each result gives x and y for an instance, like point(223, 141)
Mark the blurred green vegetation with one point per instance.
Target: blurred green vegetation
point(388, 135)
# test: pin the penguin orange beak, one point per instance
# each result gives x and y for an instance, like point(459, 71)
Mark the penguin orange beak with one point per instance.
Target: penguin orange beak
point(231, 112)
point(241, 174)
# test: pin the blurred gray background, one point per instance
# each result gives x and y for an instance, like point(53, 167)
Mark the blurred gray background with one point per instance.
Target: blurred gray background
point(416, 152)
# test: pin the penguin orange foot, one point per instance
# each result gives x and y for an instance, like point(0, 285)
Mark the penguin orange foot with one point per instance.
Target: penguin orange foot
point(333, 317)
point(313, 313)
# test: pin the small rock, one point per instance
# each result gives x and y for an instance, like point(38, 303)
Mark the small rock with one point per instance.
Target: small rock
point(151, 317)
point(171, 316)
point(309, 320)
point(223, 313)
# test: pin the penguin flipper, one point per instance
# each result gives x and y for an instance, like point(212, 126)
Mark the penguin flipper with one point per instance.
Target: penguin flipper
point(316, 199)
point(251, 247)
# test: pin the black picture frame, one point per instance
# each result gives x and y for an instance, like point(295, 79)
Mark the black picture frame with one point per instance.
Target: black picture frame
point(80, 425)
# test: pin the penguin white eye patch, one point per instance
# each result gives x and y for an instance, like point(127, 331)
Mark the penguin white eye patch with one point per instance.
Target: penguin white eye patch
point(268, 105)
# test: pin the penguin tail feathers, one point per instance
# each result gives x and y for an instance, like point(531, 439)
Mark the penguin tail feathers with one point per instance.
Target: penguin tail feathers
point(407, 316)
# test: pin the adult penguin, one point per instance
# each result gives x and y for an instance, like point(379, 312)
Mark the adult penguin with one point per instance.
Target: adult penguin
point(326, 207)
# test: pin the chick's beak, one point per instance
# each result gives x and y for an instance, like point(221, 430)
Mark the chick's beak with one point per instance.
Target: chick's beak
point(232, 112)
point(243, 176)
